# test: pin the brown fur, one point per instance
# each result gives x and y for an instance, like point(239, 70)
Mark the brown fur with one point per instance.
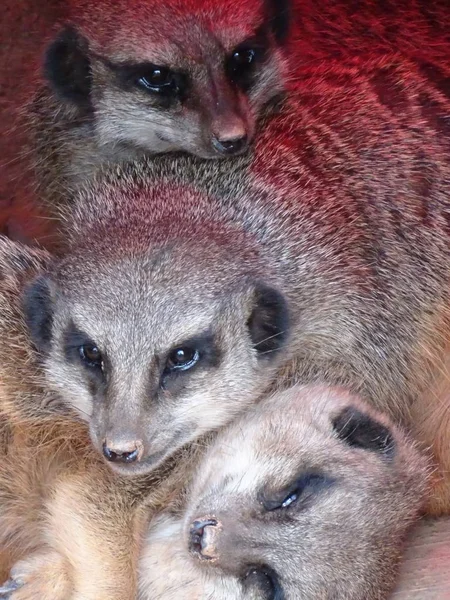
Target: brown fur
point(71, 523)
point(67, 150)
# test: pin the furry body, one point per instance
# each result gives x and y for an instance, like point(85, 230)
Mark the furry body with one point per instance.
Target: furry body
point(336, 237)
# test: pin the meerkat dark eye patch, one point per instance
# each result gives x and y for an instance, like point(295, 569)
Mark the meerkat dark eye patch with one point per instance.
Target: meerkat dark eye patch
point(279, 16)
point(243, 61)
point(67, 67)
point(188, 356)
point(299, 492)
point(359, 430)
point(269, 321)
point(157, 80)
point(38, 311)
point(263, 581)
point(80, 348)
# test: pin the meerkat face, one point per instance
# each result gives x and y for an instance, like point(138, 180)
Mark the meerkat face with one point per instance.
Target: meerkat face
point(307, 496)
point(151, 354)
point(191, 76)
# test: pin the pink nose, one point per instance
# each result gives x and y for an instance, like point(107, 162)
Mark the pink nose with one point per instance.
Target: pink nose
point(229, 135)
point(123, 451)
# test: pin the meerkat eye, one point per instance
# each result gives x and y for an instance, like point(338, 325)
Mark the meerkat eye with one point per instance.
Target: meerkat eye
point(241, 63)
point(182, 359)
point(157, 79)
point(91, 356)
point(242, 59)
point(302, 489)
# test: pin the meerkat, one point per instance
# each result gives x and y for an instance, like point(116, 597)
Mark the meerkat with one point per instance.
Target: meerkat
point(169, 76)
point(165, 76)
point(154, 77)
point(321, 257)
point(118, 81)
point(69, 527)
point(307, 496)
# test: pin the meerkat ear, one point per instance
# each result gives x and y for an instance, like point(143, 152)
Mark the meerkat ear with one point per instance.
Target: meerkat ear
point(67, 67)
point(280, 13)
point(38, 311)
point(360, 430)
point(269, 321)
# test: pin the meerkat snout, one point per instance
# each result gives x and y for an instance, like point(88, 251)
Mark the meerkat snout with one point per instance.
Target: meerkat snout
point(234, 145)
point(306, 496)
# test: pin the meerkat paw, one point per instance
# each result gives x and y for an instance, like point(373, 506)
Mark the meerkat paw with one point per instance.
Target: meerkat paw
point(43, 575)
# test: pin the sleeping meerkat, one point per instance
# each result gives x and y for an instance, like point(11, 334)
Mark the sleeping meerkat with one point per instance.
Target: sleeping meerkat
point(69, 527)
point(308, 496)
point(324, 257)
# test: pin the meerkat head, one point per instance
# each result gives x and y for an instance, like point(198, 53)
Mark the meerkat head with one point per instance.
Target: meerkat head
point(175, 75)
point(156, 343)
point(308, 495)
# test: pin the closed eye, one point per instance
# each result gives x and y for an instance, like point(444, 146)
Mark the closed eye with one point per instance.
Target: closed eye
point(301, 489)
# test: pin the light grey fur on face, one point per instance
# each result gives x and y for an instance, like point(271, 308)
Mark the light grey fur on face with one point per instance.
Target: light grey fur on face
point(133, 399)
point(129, 119)
point(337, 537)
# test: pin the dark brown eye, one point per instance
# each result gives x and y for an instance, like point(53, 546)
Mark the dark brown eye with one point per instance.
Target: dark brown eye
point(241, 64)
point(183, 358)
point(242, 59)
point(91, 356)
point(157, 80)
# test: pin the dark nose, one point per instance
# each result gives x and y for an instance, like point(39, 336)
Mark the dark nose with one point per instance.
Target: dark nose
point(230, 146)
point(198, 542)
point(124, 453)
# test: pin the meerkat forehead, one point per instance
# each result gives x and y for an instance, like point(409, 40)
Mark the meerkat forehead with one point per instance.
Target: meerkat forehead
point(171, 30)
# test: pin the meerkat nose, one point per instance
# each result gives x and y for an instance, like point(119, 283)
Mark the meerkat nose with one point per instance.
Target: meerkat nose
point(231, 146)
point(123, 451)
point(202, 537)
point(230, 135)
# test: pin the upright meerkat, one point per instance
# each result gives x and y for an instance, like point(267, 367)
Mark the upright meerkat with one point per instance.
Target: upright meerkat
point(69, 527)
point(308, 496)
point(321, 257)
